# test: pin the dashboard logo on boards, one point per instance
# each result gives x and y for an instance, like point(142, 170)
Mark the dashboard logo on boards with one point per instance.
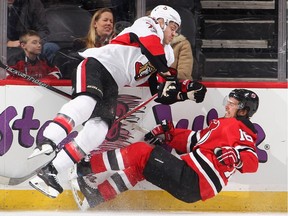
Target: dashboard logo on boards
point(26, 123)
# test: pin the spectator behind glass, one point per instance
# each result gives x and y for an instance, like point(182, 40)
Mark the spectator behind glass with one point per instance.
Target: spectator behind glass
point(30, 61)
point(183, 57)
point(24, 15)
point(120, 26)
point(100, 32)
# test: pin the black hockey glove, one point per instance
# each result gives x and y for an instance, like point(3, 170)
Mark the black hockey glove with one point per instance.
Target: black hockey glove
point(228, 156)
point(168, 87)
point(192, 90)
point(165, 128)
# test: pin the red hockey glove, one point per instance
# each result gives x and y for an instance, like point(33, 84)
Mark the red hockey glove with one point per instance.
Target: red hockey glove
point(164, 128)
point(168, 87)
point(228, 156)
point(192, 90)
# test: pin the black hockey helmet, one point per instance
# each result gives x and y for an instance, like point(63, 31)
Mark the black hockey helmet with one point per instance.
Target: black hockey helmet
point(248, 100)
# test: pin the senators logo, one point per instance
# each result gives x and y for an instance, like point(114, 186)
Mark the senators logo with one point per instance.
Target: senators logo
point(145, 70)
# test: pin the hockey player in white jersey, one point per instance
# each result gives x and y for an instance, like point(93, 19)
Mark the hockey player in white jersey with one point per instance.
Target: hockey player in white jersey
point(135, 55)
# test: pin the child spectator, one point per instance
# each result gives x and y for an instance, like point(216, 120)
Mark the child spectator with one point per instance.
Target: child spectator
point(24, 15)
point(30, 61)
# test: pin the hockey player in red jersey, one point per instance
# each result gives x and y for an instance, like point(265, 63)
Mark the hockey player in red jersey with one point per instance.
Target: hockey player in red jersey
point(205, 161)
point(138, 53)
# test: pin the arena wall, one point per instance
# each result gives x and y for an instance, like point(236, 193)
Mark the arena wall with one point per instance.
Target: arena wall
point(26, 109)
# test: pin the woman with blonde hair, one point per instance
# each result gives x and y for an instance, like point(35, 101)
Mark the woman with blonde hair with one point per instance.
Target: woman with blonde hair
point(100, 30)
point(100, 33)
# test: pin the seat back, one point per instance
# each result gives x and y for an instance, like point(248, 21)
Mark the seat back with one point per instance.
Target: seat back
point(66, 23)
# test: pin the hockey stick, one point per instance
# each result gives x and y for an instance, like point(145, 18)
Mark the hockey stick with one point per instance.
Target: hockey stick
point(114, 128)
point(33, 80)
point(135, 109)
point(4, 180)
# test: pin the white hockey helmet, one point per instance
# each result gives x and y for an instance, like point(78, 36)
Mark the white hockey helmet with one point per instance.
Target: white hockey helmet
point(167, 13)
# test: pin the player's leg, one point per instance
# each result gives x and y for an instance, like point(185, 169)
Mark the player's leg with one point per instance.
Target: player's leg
point(76, 111)
point(89, 138)
point(70, 115)
point(129, 163)
point(46, 180)
point(172, 175)
point(135, 154)
point(117, 183)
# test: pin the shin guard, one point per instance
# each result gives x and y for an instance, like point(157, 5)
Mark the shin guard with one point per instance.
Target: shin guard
point(74, 151)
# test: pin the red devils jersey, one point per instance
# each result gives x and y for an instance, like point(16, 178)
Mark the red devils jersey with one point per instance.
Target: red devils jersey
point(198, 148)
point(135, 54)
point(38, 68)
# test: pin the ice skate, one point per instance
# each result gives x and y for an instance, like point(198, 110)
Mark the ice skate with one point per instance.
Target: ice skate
point(85, 194)
point(46, 181)
point(45, 147)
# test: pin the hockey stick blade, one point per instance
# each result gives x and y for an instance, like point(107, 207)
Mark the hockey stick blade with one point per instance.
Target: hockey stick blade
point(135, 126)
point(79, 198)
point(33, 80)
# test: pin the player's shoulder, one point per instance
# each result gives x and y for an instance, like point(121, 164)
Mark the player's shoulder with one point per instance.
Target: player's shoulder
point(247, 123)
point(145, 19)
point(149, 22)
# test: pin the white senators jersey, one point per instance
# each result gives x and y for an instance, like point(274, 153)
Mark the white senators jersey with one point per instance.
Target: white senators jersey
point(135, 53)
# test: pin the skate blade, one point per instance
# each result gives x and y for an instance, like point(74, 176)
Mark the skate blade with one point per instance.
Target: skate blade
point(38, 184)
point(46, 149)
point(79, 198)
point(72, 174)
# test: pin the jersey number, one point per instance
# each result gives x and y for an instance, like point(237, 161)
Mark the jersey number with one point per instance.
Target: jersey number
point(244, 136)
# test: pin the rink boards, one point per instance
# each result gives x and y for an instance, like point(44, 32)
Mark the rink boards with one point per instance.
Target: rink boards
point(25, 111)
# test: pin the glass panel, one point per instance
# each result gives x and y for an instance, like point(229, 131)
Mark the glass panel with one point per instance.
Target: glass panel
point(62, 25)
point(229, 40)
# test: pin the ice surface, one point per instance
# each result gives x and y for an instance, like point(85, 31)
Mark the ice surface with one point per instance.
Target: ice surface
point(144, 213)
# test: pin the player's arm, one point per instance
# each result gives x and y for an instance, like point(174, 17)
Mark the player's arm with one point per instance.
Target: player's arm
point(166, 77)
point(240, 157)
point(249, 159)
point(153, 49)
point(183, 140)
point(180, 91)
point(148, 35)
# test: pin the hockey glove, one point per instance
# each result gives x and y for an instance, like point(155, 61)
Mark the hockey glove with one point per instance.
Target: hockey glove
point(165, 129)
point(168, 88)
point(192, 90)
point(228, 156)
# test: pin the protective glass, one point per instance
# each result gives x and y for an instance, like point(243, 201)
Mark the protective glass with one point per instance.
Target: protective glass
point(228, 102)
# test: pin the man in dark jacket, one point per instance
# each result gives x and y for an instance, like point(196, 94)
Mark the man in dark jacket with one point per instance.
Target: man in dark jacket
point(24, 15)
